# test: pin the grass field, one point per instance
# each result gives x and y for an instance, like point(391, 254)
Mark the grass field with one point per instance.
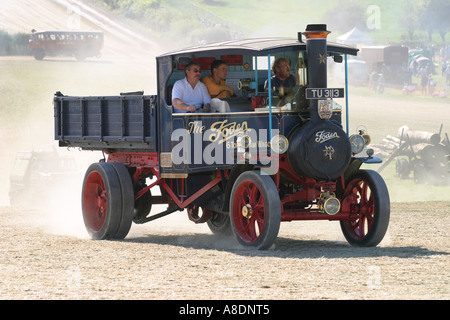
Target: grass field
point(281, 18)
point(27, 85)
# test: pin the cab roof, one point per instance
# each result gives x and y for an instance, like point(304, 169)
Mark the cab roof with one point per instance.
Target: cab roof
point(67, 32)
point(257, 47)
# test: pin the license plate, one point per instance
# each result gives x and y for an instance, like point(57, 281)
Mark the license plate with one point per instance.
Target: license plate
point(324, 93)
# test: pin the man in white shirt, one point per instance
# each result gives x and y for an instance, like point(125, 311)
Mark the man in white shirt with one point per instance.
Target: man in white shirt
point(189, 94)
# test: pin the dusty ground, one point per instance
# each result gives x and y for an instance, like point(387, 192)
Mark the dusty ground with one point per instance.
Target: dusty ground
point(47, 255)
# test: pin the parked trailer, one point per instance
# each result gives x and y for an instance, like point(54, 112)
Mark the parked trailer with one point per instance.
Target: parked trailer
point(268, 159)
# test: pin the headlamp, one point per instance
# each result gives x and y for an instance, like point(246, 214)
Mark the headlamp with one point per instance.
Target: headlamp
point(357, 143)
point(329, 204)
point(279, 144)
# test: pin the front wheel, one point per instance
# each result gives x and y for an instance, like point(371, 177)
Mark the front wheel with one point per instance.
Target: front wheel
point(39, 54)
point(255, 210)
point(367, 199)
point(80, 56)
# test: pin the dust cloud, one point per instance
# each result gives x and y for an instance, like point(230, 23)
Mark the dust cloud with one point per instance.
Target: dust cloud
point(26, 106)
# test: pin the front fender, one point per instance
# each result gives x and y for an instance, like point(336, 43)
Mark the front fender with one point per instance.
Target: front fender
point(356, 163)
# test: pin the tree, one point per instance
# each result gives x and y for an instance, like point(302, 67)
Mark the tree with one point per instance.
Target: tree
point(436, 16)
point(410, 16)
point(346, 15)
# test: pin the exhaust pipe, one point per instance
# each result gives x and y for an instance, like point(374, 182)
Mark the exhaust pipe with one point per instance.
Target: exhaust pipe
point(316, 50)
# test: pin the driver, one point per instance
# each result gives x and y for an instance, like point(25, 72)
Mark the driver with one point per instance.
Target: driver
point(282, 78)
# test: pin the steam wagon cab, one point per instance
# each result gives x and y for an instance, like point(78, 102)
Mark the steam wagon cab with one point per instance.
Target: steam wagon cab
point(258, 158)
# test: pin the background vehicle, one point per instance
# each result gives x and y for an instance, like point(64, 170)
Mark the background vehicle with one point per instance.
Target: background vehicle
point(391, 61)
point(424, 154)
point(270, 159)
point(36, 175)
point(80, 44)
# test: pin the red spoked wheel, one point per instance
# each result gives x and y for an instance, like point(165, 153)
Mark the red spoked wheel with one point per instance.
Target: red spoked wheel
point(255, 210)
point(370, 207)
point(102, 202)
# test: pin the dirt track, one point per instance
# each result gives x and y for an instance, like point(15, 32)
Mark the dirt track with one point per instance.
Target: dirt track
point(47, 255)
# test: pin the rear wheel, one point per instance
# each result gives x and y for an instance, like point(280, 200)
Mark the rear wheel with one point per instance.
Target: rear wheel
point(255, 210)
point(127, 193)
point(142, 206)
point(402, 168)
point(219, 224)
point(370, 206)
point(80, 55)
point(101, 201)
point(39, 54)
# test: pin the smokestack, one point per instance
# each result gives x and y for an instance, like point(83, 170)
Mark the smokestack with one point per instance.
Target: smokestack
point(316, 50)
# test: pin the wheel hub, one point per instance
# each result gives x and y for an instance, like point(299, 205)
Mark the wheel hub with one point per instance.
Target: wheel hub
point(247, 211)
point(101, 200)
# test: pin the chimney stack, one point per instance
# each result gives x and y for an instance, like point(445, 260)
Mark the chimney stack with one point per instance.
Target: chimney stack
point(316, 50)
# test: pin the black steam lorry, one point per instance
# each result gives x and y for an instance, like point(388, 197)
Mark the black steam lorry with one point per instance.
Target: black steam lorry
point(259, 158)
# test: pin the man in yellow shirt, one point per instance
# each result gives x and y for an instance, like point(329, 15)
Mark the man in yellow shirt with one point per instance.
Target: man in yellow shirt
point(215, 82)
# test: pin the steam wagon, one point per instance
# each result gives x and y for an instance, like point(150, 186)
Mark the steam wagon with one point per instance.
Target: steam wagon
point(259, 158)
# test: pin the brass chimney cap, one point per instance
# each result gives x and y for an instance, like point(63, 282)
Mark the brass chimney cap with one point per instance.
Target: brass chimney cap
point(316, 31)
point(316, 27)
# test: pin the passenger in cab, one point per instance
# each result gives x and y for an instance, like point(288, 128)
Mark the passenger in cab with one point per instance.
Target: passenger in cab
point(190, 94)
point(282, 78)
point(215, 82)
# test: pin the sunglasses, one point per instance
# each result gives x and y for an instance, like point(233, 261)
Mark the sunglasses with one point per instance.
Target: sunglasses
point(195, 70)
